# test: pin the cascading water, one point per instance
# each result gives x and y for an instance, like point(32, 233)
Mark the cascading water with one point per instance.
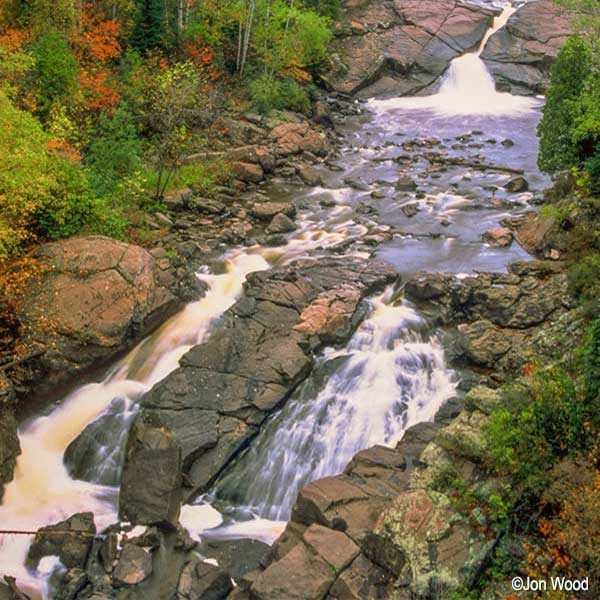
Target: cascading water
point(43, 490)
point(467, 88)
point(390, 376)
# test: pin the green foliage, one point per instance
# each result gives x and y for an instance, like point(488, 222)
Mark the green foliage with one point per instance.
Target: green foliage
point(268, 92)
point(149, 29)
point(53, 15)
point(591, 373)
point(584, 276)
point(55, 71)
point(569, 73)
point(40, 191)
point(115, 153)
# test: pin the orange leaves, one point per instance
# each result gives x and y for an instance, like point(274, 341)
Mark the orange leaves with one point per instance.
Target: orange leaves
point(13, 39)
point(203, 57)
point(98, 93)
point(98, 39)
point(65, 149)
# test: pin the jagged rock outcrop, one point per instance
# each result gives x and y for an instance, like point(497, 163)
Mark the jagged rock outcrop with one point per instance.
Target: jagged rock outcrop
point(494, 314)
point(258, 353)
point(401, 46)
point(379, 530)
point(520, 55)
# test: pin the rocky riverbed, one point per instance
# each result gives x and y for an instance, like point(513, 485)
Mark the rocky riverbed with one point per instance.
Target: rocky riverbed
point(434, 205)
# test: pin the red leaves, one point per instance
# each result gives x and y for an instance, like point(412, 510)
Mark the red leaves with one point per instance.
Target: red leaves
point(98, 94)
point(98, 39)
point(13, 39)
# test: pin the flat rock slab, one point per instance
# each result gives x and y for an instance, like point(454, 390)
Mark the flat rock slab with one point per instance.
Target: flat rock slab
point(260, 350)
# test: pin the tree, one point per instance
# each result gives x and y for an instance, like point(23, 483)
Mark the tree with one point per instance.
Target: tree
point(149, 28)
point(174, 107)
point(56, 71)
point(54, 15)
point(569, 74)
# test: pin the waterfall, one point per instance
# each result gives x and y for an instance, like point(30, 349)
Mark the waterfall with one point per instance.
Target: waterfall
point(391, 375)
point(467, 88)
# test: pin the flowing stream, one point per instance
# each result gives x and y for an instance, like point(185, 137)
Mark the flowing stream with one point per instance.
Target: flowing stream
point(390, 375)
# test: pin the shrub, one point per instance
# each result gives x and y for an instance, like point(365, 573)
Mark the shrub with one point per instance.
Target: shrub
point(268, 93)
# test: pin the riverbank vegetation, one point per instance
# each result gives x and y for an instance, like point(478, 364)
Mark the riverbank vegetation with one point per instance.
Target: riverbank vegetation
point(541, 497)
point(100, 101)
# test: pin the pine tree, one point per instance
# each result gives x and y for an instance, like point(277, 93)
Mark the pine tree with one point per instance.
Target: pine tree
point(149, 29)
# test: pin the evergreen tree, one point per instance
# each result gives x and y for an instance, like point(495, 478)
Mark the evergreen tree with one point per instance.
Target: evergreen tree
point(149, 29)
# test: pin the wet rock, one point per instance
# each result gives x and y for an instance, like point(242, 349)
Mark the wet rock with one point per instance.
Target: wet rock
point(70, 540)
point(236, 557)
point(259, 351)
point(520, 55)
point(151, 484)
point(410, 210)
point(274, 240)
point(516, 185)
point(248, 172)
point(309, 175)
point(281, 224)
point(73, 583)
point(9, 447)
point(405, 184)
point(203, 581)
point(507, 143)
point(500, 237)
point(91, 298)
point(133, 566)
point(265, 211)
point(537, 234)
point(357, 184)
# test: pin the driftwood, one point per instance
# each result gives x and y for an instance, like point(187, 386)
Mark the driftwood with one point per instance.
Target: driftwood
point(18, 361)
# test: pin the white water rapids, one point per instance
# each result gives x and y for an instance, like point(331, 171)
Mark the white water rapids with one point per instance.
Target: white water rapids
point(391, 375)
point(467, 88)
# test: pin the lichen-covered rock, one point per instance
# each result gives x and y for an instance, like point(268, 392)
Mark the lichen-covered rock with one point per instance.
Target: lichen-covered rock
point(437, 544)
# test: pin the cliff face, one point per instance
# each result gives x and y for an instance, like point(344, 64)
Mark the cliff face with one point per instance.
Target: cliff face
point(401, 46)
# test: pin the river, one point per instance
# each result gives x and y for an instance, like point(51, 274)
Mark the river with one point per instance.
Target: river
point(393, 371)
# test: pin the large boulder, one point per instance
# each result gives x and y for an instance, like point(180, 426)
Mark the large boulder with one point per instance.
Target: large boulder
point(151, 482)
point(258, 353)
point(87, 299)
point(520, 55)
point(401, 46)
